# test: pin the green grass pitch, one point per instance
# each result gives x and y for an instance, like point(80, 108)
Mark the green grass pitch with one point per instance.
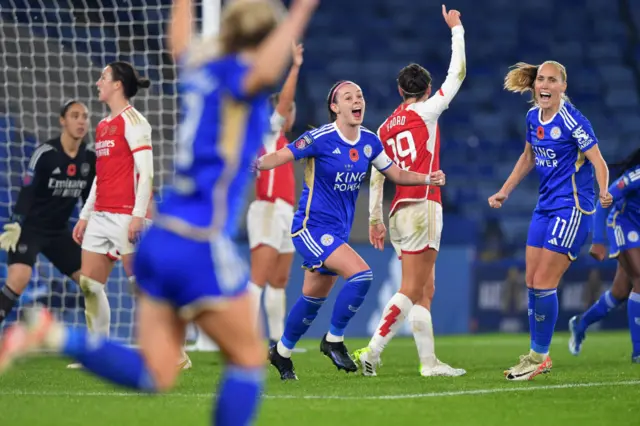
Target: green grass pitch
point(600, 387)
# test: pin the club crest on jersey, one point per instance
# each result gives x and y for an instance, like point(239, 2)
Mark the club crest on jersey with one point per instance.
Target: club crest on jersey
point(303, 142)
point(354, 155)
point(556, 132)
point(71, 170)
point(540, 132)
point(367, 151)
point(633, 236)
point(326, 240)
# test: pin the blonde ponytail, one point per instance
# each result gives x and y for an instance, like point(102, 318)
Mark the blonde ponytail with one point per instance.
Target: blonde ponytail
point(521, 78)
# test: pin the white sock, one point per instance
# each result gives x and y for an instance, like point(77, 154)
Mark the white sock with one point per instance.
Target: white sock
point(283, 350)
point(332, 338)
point(420, 319)
point(275, 307)
point(392, 319)
point(97, 310)
point(256, 291)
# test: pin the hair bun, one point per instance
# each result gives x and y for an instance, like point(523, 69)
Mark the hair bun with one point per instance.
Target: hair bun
point(144, 82)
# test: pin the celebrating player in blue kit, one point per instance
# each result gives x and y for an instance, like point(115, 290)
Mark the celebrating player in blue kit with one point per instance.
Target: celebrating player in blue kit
point(187, 267)
point(623, 231)
point(337, 157)
point(562, 146)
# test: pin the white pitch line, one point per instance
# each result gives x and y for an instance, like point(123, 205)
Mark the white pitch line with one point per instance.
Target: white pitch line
point(359, 398)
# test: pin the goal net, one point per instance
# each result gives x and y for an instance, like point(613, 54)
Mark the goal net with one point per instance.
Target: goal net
point(52, 51)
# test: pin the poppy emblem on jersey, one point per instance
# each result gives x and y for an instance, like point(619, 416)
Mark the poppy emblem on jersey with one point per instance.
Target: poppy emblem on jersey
point(303, 142)
point(621, 184)
point(112, 130)
point(556, 132)
point(27, 179)
point(71, 170)
point(353, 155)
point(540, 132)
point(326, 240)
point(84, 169)
point(367, 151)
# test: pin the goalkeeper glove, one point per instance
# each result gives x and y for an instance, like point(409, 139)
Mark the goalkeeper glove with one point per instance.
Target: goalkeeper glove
point(9, 238)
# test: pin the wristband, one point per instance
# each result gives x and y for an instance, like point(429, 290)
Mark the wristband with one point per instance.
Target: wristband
point(427, 180)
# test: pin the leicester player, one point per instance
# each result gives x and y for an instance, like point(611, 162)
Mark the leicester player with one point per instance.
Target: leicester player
point(337, 156)
point(187, 266)
point(59, 172)
point(622, 223)
point(562, 146)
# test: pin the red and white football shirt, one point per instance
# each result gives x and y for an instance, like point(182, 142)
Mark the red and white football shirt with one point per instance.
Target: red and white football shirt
point(277, 183)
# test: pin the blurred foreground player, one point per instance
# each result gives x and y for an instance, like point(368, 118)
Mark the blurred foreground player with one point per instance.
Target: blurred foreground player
point(338, 156)
point(60, 172)
point(622, 223)
point(562, 146)
point(411, 137)
point(270, 215)
point(187, 266)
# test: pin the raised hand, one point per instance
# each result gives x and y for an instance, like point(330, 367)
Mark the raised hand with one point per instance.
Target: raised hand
point(452, 17)
point(298, 50)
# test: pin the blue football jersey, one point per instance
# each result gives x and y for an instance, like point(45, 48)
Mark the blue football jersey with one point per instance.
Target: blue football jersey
point(625, 208)
point(335, 169)
point(566, 176)
point(219, 135)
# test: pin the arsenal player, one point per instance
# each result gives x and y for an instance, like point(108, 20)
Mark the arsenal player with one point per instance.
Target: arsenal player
point(59, 172)
point(411, 137)
point(270, 216)
point(114, 215)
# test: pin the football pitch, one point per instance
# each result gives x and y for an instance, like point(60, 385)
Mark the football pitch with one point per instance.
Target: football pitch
point(600, 387)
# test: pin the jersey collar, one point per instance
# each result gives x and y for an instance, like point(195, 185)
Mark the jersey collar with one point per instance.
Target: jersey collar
point(344, 139)
point(544, 123)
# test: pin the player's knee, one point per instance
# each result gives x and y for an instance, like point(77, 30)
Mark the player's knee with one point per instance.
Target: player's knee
point(544, 279)
point(413, 291)
point(280, 280)
point(250, 355)
point(18, 277)
point(89, 285)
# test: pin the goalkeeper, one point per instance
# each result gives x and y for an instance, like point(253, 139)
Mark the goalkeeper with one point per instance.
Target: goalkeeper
point(60, 171)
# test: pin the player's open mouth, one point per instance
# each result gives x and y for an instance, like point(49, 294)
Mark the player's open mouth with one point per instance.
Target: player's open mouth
point(545, 95)
point(357, 113)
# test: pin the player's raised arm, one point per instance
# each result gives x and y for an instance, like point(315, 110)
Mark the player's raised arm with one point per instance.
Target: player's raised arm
point(180, 27)
point(273, 53)
point(458, 65)
point(288, 92)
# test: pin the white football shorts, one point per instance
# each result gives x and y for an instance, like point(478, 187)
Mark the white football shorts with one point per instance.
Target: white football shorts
point(108, 233)
point(270, 224)
point(416, 228)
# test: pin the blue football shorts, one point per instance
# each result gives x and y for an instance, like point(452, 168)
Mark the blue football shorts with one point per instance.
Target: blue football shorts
point(315, 245)
point(187, 274)
point(623, 235)
point(563, 230)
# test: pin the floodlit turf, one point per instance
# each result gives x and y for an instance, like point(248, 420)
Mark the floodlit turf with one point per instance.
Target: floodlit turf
point(600, 387)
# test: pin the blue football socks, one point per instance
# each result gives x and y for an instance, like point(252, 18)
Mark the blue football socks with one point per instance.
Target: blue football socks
point(633, 312)
point(349, 301)
point(238, 396)
point(531, 306)
point(302, 314)
point(546, 315)
point(116, 363)
point(598, 310)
